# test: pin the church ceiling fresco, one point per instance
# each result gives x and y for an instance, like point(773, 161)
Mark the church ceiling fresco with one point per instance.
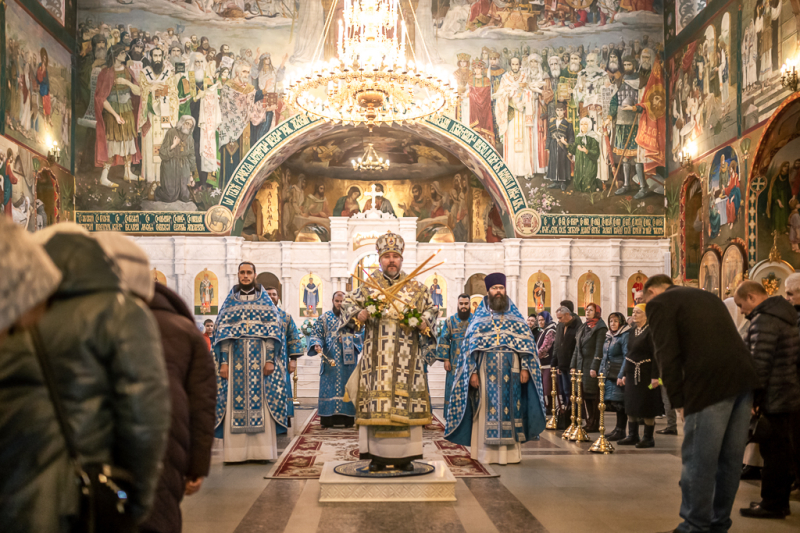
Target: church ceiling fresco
point(528, 75)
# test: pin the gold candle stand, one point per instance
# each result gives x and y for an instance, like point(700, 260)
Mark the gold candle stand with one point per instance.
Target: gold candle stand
point(553, 422)
point(571, 427)
point(602, 444)
point(578, 433)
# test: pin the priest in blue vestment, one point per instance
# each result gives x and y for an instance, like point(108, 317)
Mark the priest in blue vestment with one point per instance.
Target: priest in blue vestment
point(292, 350)
point(252, 395)
point(450, 337)
point(338, 345)
point(496, 403)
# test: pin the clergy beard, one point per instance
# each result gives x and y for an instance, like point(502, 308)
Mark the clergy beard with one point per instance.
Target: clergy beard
point(574, 66)
point(158, 68)
point(337, 311)
point(498, 303)
point(136, 56)
point(247, 288)
point(199, 76)
point(464, 315)
point(613, 67)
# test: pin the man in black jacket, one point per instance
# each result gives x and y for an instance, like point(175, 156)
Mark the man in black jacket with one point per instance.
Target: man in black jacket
point(773, 340)
point(564, 346)
point(709, 376)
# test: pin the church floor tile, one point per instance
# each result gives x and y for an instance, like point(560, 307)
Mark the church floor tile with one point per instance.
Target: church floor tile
point(559, 487)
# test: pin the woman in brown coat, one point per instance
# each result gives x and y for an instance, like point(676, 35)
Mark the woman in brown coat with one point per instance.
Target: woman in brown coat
point(193, 391)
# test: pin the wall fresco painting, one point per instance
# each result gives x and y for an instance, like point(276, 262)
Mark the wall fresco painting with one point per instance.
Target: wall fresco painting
point(538, 82)
point(588, 291)
point(311, 296)
point(635, 284)
point(38, 99)
point(709, 272)
point(539, 293)
point(437, 286)
point(703, 89)
point(206, 293)
point(159, 277)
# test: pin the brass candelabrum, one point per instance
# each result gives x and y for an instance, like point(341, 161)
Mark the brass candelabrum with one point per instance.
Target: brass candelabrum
point(578, 433)
point(553, 422)
point(571, 427)
point(602, 444)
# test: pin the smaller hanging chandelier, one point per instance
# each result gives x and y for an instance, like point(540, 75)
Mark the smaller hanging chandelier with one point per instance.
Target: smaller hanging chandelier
point(370, 161)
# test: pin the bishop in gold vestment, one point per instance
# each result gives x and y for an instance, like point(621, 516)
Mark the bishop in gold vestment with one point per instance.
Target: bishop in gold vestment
point(389, 387)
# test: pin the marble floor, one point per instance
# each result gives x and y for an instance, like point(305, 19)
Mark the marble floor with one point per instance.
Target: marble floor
point(558, 487)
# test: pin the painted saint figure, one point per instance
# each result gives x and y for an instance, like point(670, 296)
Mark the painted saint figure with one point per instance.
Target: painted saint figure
point(206, 295)
point(780, 191)
point(311, 297)
point(588, 291)
point(43, 79)
point(338, 346)
point(347, 206)
point(390, 388)
point(116, 106)
point(252, 394)
point(496, 403)
point(436, 293)
point(539, 295)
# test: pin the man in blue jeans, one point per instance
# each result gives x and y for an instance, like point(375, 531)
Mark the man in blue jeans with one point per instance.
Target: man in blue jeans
point(709, 376)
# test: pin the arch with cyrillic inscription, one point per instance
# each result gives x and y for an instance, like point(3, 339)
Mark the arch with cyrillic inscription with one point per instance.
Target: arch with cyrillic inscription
point(299, 131)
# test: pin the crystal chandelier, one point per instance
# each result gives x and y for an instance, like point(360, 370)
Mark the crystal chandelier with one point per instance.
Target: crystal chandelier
point(370, 161)
point(370, 82)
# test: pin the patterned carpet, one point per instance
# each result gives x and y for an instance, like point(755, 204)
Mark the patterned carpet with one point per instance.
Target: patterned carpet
point(307, 453)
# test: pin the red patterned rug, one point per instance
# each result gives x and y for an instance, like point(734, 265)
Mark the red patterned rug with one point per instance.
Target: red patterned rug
point(307, 453)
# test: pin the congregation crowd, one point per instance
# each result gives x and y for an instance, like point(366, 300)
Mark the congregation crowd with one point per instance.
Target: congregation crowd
point(110, 391)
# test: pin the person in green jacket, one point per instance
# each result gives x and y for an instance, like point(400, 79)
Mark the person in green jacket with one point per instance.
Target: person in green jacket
point(586, 150)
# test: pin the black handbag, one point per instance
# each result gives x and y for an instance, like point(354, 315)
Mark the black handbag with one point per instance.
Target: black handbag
point(562, 417)
point(104, 488)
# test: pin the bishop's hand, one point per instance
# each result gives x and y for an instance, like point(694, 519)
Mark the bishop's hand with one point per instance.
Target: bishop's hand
point(269, 368)
point(363, 316)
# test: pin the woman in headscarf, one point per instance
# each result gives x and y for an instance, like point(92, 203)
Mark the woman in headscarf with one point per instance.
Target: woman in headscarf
point(642, 397)
point(587, 357)
point(544, 347)
point(614, 350)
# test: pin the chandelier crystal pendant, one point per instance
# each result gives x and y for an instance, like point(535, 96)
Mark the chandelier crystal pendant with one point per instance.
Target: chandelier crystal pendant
point(370, 82)
point(370, 161)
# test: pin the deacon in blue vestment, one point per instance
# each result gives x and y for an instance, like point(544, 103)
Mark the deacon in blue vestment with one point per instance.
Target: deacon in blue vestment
point(252, 394)
point(496, 403)
point(292, 350)
point(338, 345)
point(449, 348)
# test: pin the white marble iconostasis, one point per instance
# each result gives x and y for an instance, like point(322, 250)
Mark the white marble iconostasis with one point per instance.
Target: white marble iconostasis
point(181, 259)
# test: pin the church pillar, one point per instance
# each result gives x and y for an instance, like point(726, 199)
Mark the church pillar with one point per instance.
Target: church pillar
point(459, 274)
point(615, 273)
point(511, 268)
point(408, 230)
point(179, 266)
point(233, 257)
point(564, 254)
point(288, 290)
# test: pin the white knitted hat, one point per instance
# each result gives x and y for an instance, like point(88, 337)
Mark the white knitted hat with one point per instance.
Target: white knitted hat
point(28, 277)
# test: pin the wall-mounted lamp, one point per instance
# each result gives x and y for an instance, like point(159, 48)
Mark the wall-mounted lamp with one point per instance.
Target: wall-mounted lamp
point(54, 154)
point(687, 155)
point(789, 77)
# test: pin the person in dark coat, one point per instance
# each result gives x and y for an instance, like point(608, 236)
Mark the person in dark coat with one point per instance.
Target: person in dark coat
point(193, 388)
point(640, 379)
point(792, 285)
point(544, 348)
point(564, 346)
point(586, 357)
point(615, 348)
point(774, 342)
point(105, 350)
point(709, 376)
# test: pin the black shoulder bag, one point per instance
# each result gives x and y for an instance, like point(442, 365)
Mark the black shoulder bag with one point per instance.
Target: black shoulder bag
point(104, 506)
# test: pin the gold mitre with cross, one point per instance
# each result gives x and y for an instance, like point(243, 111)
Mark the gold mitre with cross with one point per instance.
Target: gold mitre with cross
point(390, 242)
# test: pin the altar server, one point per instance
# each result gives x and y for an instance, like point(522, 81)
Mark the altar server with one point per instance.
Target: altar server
point(338, 346)
point(249, 338)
